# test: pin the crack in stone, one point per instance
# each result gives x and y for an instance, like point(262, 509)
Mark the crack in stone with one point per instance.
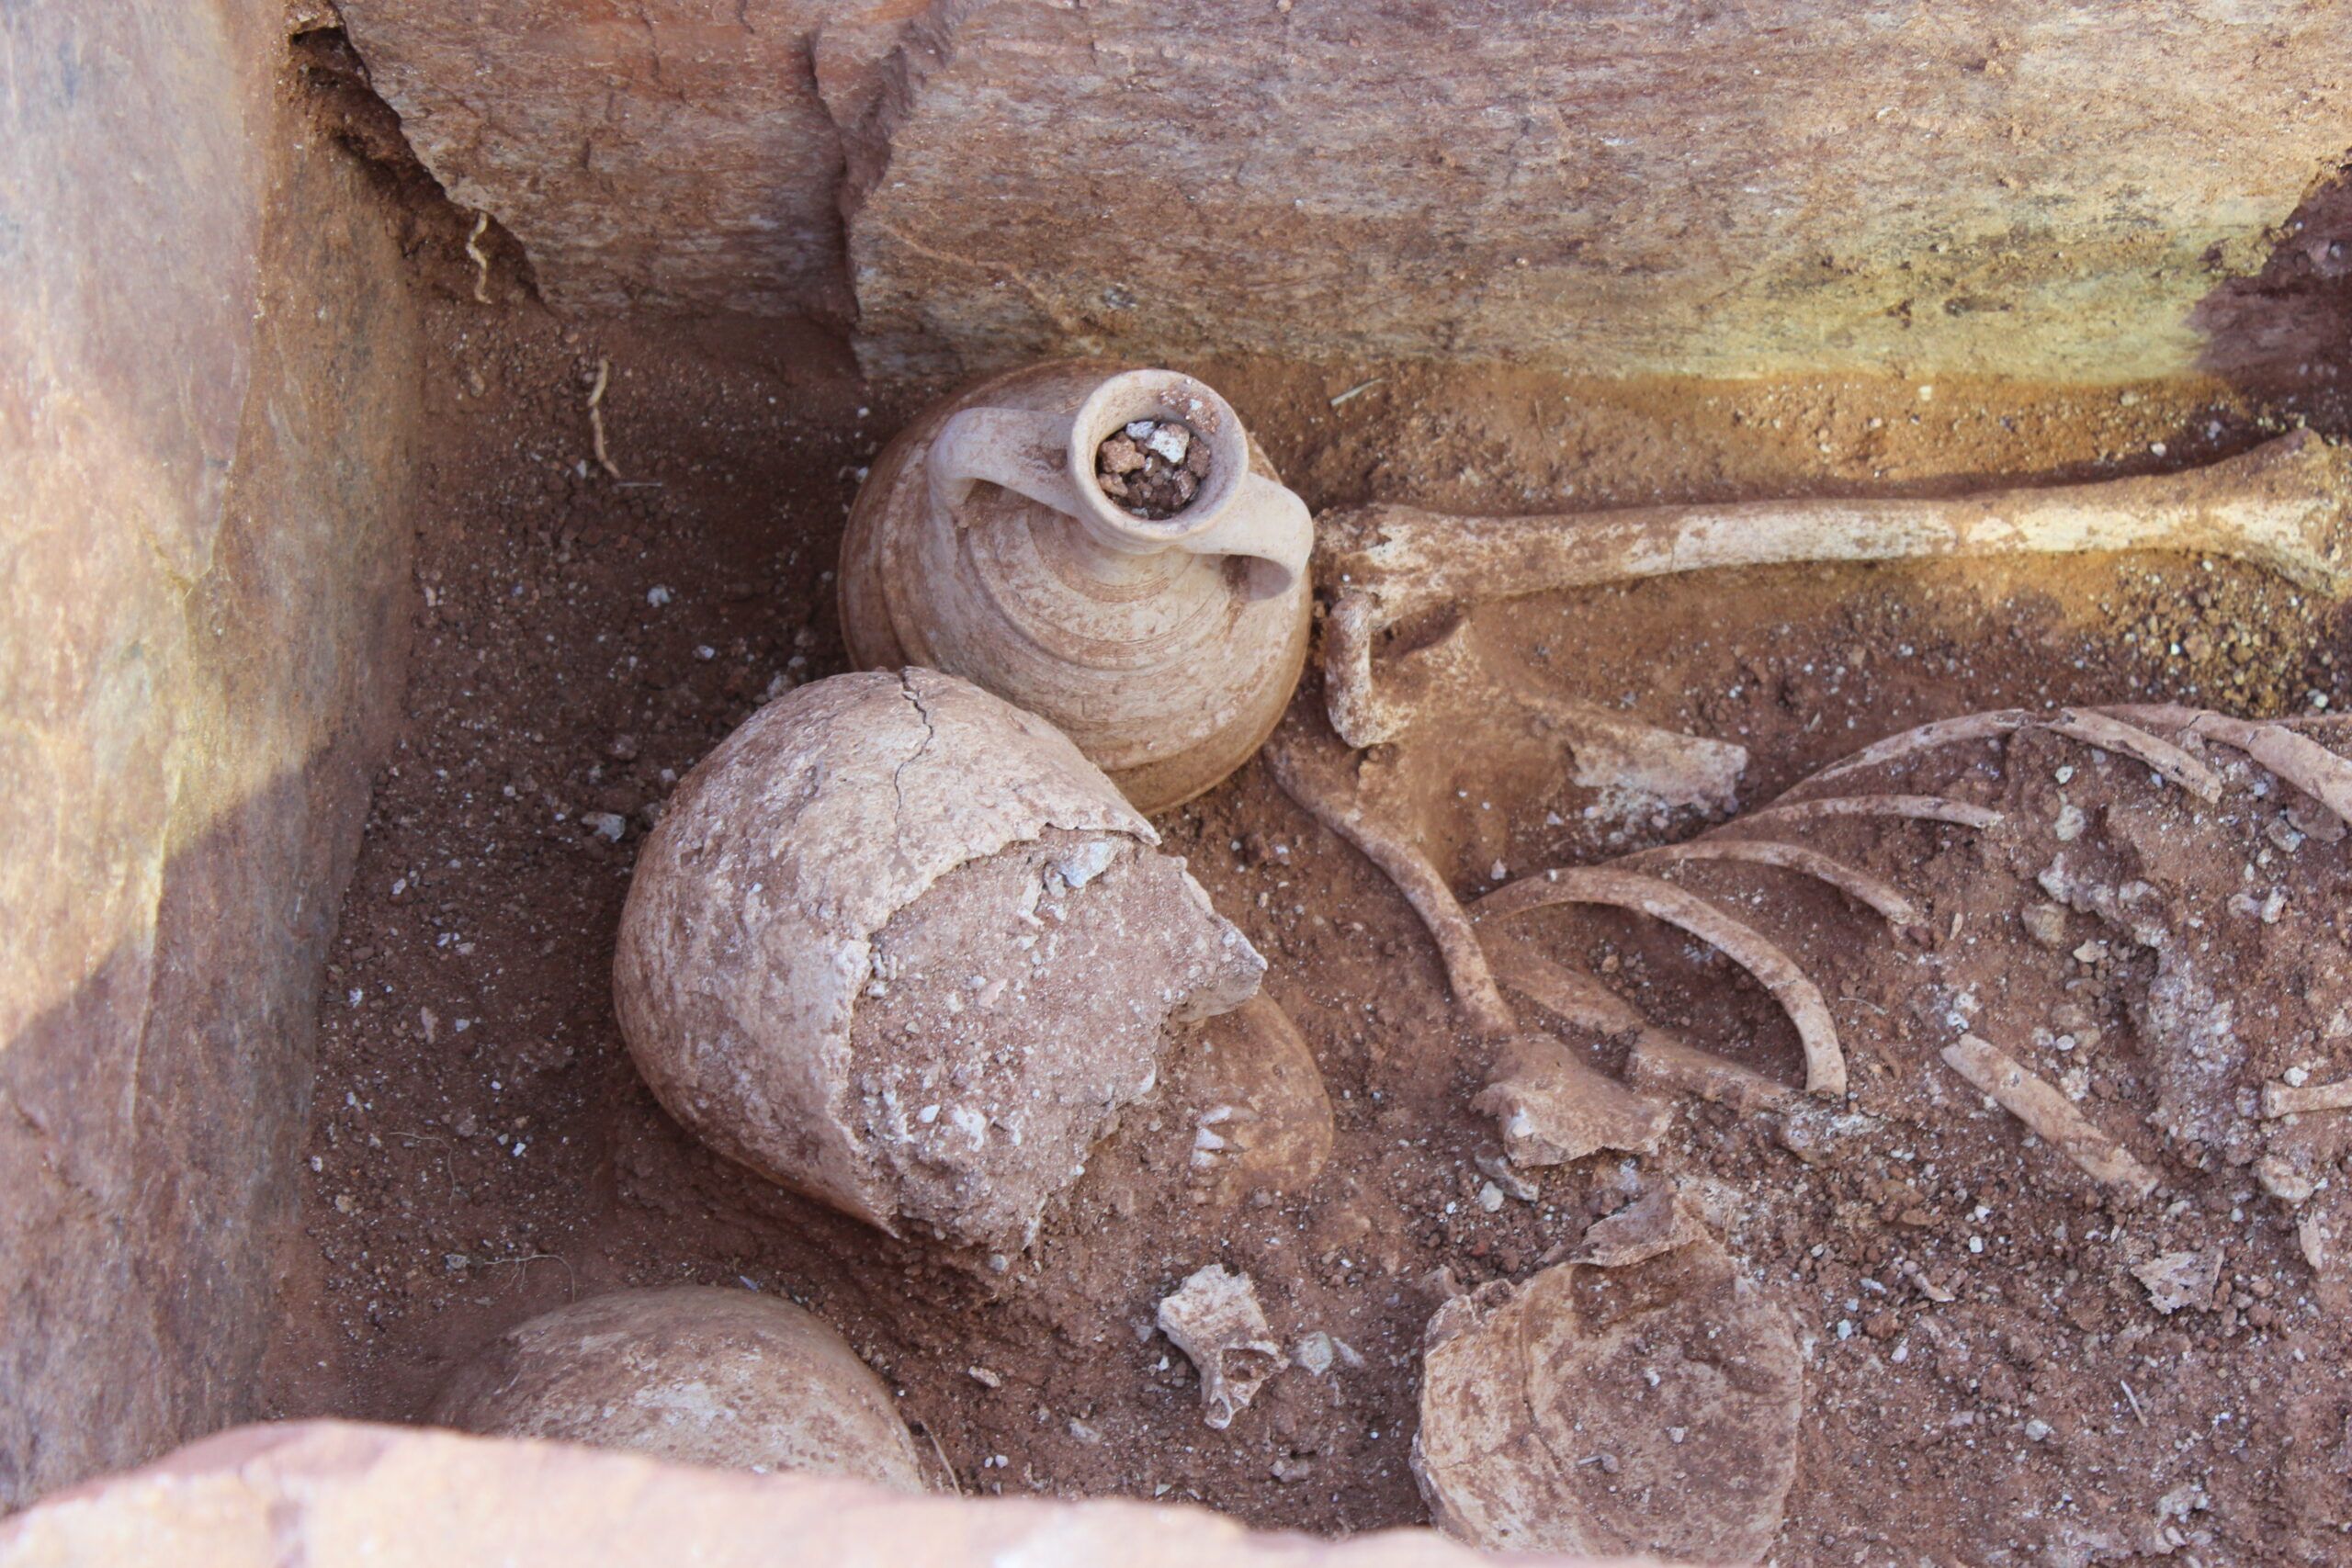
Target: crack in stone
point(930, 733)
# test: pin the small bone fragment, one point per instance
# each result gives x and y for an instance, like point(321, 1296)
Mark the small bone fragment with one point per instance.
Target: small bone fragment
point(1918, 807)
point(2086, 725)
point(1674, 1373)
point(2311, 767)
point(1214, 1318)
point(1652, 1225)
point(1499, 1170)
point(2181, 1280)
point(1816, 1135)
point(2046, 923)
point(1658, 1060)
point(2281, 506)
point(2282, 1179)
point(2038, 1103)
point(1824, 1062)
point(1553, 1108)
point(1671, 768)
point(2287, 1099)
point(1855, 883)
point(1577, 999)
point(1465, 963)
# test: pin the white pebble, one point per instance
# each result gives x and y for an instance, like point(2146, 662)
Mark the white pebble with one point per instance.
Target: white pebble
point(1171, 442)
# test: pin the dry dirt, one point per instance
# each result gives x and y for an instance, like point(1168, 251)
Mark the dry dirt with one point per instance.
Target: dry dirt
point(482, 1151)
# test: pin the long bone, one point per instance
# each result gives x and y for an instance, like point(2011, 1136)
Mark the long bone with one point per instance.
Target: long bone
point(2283, 505)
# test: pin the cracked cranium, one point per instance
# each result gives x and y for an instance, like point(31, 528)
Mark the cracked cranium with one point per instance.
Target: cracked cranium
point(896, 945)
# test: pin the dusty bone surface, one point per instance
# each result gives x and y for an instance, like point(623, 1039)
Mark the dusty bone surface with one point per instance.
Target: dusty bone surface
point(694, 1374)
point(2194, 966)
point(2281, 507)
point(906, 843)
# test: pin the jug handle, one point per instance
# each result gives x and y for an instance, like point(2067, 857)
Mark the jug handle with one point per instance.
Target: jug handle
point(1265, 523)
point(1024, 451)
point(1028, 452)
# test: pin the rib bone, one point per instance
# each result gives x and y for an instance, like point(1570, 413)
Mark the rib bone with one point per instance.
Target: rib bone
point(1825, 1063)
point(1465, 964)
point(1855, 883)
point(2282, 507)
point(1918, 807)
point(2032, 1099)
point(2088, 726)
point(2311, 767)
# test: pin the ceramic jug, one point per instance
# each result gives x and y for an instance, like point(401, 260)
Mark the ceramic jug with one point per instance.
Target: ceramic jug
point(982, 545)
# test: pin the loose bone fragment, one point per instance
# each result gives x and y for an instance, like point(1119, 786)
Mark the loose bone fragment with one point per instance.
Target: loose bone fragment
point(1214, 1318)
point(2282, 507)
point(2034, 1101)
point(1553, 1108)
point(1651, 1225)
point(2289, 1099)
point(1825, 1063)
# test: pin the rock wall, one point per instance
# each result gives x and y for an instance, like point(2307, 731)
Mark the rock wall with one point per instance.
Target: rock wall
point(210, 367)
point(326, 1494)
point(1619, 187)
point(669, 155)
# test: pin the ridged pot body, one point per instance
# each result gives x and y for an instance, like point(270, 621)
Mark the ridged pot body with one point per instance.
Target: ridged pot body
point(1167, 667)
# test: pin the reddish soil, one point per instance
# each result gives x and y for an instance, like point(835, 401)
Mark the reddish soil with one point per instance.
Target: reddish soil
point(483, 1151)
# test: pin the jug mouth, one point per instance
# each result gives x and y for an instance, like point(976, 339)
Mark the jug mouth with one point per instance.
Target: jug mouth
point(1156, 395)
